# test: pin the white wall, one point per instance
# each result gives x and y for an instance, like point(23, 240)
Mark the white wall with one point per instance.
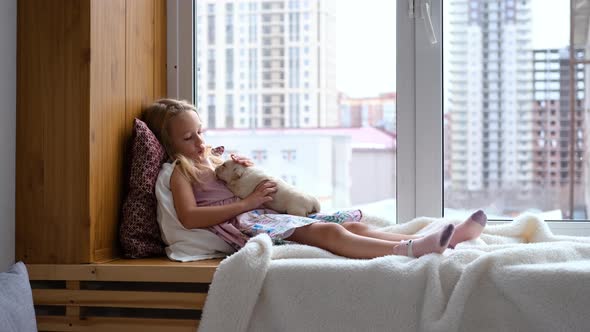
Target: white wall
point(373, 175)
point(7, 129)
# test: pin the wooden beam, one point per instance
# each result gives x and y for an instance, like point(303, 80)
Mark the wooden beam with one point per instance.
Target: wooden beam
point(138, 270)
point(72, 309)
point(101, 324)
point(119, 299)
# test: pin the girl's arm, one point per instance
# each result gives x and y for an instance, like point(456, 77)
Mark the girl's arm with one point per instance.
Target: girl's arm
point(192, 216)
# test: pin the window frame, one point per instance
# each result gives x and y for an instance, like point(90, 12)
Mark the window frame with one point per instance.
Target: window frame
point(419, 111)
point(181, 60)
point(406, 103)
point(419, 106)
point(429, 96)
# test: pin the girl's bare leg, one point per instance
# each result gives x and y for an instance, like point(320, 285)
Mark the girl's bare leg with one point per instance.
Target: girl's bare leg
point(340, 241)
point(336, 239)
point(364, 230)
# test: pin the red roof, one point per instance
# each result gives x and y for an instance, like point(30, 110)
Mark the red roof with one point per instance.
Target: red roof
point(362, 138)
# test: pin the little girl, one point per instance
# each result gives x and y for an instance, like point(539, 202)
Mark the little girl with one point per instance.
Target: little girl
point(203, 212)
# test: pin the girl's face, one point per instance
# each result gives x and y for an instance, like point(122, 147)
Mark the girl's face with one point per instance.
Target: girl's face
point(185, 132)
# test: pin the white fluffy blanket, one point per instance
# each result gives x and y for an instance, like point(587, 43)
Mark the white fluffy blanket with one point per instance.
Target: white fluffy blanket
point(515, 277)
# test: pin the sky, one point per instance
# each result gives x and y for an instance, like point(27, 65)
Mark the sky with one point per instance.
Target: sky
point(366, 66)
point(551, 23)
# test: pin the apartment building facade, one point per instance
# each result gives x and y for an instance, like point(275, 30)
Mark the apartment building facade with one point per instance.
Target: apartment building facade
point(378, 111)
point(552, 128)
point(488, 65)
point(266, 63)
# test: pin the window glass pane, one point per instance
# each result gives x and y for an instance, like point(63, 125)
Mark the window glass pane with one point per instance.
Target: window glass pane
point(308, 96)
point(509, 121)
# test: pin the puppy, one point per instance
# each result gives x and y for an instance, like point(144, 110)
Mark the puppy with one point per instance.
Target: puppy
point(242, 181)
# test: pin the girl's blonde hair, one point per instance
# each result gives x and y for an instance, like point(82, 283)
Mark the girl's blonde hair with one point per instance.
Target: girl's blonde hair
point(157, 116)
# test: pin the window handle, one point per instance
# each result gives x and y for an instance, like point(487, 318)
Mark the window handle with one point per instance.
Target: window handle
point(580, 4)
point(426, 16)
point(411, 9)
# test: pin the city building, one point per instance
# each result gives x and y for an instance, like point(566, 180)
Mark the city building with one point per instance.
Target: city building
point(266, 63)
point(447, 150)
point(488, 72)
point(552, 128)
point(371, 111)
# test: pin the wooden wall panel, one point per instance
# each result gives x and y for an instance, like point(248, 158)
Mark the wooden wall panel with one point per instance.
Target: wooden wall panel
point(85, 69)
point(29, 157)
point(71, 159)
point(52, 172)
point(140, 57)
point(29, 129)
point(144, 78)
point(107, 124)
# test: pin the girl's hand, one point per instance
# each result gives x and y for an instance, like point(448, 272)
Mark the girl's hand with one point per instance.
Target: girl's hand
point(261, 194)
point(242, 160)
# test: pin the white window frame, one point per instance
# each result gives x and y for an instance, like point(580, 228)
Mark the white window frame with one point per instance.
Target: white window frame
point(427, 197)
point(406, 151)
point(419, 115)
point(419, 106)
point(180, 67)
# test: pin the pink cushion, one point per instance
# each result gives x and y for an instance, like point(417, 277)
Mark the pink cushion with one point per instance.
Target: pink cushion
point(139, 232)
